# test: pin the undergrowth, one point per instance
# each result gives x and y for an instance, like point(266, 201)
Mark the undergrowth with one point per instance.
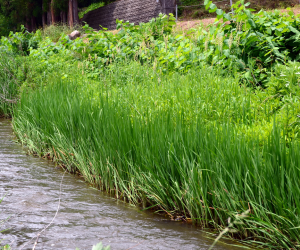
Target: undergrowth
point(203, 124)
point(157, 157)
point(93, 6)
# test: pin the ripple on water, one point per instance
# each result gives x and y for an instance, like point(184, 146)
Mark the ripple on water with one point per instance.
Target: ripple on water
point(86, 216)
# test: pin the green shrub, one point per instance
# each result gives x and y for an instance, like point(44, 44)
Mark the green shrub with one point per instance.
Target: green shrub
point(20, 42)
point(195, 124)
point(93, 6)
point(203, 167)
point(250, 43)
point(54, 32)
point(11, 71)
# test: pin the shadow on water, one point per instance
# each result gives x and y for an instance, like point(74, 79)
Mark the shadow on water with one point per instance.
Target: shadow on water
point(86, 216)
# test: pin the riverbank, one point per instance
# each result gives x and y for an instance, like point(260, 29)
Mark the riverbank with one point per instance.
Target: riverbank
point(86, 216)
point(192, 125)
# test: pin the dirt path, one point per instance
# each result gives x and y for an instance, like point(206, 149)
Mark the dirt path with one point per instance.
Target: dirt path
point(186, 25)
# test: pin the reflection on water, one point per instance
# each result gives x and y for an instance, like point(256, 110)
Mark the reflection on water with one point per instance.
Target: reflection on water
point(86, 216)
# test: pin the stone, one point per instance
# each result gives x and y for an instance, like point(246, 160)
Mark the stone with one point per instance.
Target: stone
point(74, 35)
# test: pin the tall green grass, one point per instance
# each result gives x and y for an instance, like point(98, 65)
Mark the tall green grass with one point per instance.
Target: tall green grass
point(91, 7)
point(9, 83)
point(55, 31)
point(171, 151)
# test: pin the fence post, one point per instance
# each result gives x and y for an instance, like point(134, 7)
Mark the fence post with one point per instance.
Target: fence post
point(231, 5)
point(176, 10)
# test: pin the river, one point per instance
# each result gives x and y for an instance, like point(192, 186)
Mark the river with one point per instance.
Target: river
point(86, 216)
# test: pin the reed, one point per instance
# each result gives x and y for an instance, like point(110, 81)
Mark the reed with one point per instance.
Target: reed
point(55, 31)
point(184, 145)
point(9, 83)
point(91, 7)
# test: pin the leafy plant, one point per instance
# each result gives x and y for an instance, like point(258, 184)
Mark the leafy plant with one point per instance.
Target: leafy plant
point(91, 7)
point(192, 144)
point(56, 31)
point(20, 42)
point(6, 247)
point(255, 42)
point(10, 82)
point(192, 124)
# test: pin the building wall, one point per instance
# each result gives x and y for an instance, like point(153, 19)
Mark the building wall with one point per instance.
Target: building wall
point(134, 11)
point(168, 6)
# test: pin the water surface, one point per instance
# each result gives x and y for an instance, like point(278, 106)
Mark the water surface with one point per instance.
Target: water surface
point(86, 216)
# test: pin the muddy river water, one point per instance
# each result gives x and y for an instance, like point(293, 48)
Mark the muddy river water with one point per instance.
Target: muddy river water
point(31, 187)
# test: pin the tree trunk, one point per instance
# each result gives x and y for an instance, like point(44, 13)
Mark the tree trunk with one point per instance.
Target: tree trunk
point(63, 17)
point(28, 24)
point(58, 18)
point(75, 12)
point(70, 14)
point(52, 12)
point(49, 17)
point(44, 17)
point(33, 24)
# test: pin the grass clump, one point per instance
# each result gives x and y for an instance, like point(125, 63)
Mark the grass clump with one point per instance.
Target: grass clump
point(55, 31)
point(91, 7)
point(156, 156)
point(10, 71)
point(203, 124)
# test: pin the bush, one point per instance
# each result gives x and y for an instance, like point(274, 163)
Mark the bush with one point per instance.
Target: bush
point(55, 31)
point(171, 143)
point(193, 124)
point(91, 7)
point(10, 82)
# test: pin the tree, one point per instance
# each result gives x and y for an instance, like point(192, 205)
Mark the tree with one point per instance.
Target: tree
point(73, 12)
point(36, 13)
point(18, 12)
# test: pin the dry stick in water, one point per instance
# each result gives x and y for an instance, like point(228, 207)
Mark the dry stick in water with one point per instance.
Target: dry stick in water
point(39, 234)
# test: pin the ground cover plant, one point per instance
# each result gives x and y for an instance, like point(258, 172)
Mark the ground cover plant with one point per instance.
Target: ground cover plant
point(193, 124)
point(91, 7)
point(9, 83)
point(195, 9)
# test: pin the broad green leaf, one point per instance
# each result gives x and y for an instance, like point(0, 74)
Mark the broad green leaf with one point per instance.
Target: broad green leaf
point(269, 31)
point(212, 10)
point(227, 16)
point(207, 6)
point(219, 17)
point(213, 6)
point(219, 12)
point(280, 26)
point(278, 33)
point(252, 23)
point(294, 30)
